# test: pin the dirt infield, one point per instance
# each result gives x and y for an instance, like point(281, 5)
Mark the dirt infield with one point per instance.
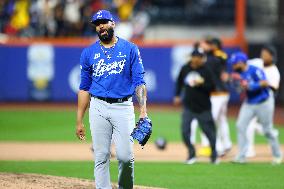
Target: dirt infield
point(37, 181)
point(174, 152)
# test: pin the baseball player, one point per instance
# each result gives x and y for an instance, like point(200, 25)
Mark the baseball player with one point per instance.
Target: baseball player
point(267, 63)
point(217, 64)
point(195, 84)
point(257, 104)
point(111, 72)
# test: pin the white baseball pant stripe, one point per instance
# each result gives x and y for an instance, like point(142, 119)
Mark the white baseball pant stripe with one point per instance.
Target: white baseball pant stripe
point(115, 120)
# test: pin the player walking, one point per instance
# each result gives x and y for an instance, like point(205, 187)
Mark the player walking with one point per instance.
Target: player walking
point(217, 64)
point(196, 83)
point(111, 71)
point(258, 103)
point(267, 61)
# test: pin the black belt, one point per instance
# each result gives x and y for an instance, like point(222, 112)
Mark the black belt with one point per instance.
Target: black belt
point(112, 100)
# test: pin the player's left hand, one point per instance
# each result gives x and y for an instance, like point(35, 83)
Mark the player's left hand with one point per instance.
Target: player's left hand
point(177, 100)
point(143, 112)
point(142, 131)
point(142, 115)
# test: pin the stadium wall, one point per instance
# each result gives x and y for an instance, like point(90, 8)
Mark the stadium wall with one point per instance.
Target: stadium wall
point(48, 72)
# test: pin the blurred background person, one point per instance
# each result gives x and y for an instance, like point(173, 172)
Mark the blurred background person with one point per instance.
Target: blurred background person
point(73, 17)
point(195, 84)
point(19, 16)
point(124, 10)
point(267, 62)
point(216, 61)
point(70, 18)
point(258, 103)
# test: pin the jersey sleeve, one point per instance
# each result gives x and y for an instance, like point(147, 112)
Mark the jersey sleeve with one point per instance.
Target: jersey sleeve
point(273, 76)
point(259, 76)
point(86, 71)
point(137, 68)
point(179, 82)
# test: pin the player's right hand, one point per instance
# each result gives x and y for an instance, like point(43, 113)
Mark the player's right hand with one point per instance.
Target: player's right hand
point(263, 83)
point(225, 77)
point(244, 84)
point(198, 81)
point(235, 76)
point(177, 100)
point(80, 131)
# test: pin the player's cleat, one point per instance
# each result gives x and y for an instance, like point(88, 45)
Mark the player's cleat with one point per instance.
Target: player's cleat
point(204, 151)
point(215, 161)
point(277, 160)
point(238, 160)
point(227, 150)
point(250, 153)
point(224, 153)
point(191, 161)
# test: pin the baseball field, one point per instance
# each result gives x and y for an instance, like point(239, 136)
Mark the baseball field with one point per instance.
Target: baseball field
point(37, 143)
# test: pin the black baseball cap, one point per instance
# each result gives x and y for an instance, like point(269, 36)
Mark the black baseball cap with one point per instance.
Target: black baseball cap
point(198, 52)
point(214, 41)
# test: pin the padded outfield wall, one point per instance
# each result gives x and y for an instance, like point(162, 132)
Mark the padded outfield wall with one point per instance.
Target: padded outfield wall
point(47, 72)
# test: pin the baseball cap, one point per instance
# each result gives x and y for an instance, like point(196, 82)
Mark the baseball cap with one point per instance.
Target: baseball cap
point(101, 15)
point(238, 57)
point(214, 41)
point(197, 52)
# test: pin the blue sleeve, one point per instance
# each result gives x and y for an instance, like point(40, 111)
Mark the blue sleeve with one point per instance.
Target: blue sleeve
point(259, 75)
point(137, 68)
point(86, 72)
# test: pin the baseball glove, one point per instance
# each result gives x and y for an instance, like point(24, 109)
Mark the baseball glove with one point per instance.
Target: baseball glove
point(142, 131)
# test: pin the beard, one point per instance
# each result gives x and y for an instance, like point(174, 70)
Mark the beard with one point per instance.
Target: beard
point(106, 38)
point(239, 70)
point(267, 63)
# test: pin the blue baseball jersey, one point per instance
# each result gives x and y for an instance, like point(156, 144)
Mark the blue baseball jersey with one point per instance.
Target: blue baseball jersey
point(255, 93)
point(114, 74)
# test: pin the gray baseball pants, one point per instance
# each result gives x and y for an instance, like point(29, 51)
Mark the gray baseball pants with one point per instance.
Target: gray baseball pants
point(264, 112)
point(112, 122)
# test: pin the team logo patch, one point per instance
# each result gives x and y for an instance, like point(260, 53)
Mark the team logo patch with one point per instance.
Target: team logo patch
point(101, 68)
point(99, 14)
point(97, 55)
point(120, 55)
point(192, 78)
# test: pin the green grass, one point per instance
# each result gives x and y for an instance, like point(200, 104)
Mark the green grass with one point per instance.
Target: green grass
point(58, 125)
point(38, 125)
point(169, 175)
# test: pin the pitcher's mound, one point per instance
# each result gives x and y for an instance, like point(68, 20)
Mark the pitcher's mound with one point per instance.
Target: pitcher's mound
point(37, 181)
